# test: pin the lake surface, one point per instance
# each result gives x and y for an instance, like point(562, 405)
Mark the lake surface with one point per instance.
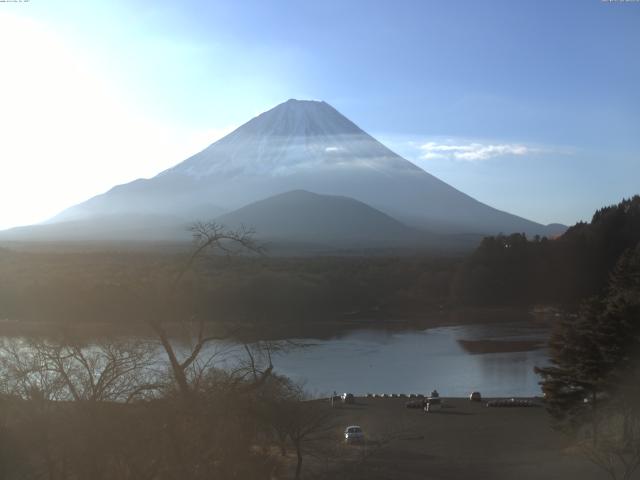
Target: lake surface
point(407, 361)
point(375, 361)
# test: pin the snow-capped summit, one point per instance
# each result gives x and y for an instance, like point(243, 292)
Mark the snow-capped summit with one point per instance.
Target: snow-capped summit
point(296, 135)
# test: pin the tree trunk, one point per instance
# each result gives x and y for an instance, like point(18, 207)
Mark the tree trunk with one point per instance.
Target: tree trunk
point(594, 418)
point(282, 440)
point(299, 464)
point(177, 370)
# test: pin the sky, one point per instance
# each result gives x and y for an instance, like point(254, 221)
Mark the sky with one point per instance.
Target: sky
point(532, 107)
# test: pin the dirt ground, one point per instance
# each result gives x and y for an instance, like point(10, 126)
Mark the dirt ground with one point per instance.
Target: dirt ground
point(461, 440)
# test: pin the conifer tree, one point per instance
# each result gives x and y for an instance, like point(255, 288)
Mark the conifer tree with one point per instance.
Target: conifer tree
point(592, 388)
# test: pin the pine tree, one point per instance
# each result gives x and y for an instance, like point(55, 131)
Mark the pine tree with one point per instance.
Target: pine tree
point(593, 385)
point(574, 385)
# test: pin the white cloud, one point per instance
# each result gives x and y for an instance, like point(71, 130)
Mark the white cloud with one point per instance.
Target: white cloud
point(472, 152)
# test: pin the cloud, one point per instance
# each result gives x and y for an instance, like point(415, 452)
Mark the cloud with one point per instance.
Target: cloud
point(472, 152)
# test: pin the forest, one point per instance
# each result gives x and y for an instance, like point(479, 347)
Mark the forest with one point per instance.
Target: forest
point(124, 287)
point(511, 269)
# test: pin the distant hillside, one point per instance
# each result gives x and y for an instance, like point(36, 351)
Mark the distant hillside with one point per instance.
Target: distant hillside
point(335, 221)
point(514, 269)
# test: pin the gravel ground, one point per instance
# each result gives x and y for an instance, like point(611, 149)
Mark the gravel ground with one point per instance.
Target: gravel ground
point(461, 440)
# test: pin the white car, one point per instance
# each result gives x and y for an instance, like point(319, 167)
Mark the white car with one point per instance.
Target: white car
point(353, 434)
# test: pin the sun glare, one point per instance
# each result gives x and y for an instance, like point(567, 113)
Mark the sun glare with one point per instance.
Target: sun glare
point(67, 133)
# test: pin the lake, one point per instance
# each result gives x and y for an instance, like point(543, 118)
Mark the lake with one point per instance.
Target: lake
point(378, 361)
point(455, 360)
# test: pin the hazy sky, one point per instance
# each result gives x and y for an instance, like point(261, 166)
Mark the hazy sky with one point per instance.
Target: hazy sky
point(532, 107)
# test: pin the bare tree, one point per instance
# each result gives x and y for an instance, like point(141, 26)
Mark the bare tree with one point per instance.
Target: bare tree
point(214, 237)
point(67, 401)
point(66, 370)
point(207, 236)
point(616, 450)
point(309, 425)
point(197, 427)
point(180, 368)
point(25, 373)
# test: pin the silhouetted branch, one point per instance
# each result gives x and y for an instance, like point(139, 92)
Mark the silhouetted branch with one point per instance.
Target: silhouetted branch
point(214, 236)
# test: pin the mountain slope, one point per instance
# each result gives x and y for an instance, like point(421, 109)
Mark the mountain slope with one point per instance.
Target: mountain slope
point(302, 145)
point(301, 216)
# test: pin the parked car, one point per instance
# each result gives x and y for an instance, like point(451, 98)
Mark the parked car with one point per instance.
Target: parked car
point(348, 398)
point(353, 434)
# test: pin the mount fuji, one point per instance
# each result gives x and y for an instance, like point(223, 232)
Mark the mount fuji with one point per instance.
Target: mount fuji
point(296, 146)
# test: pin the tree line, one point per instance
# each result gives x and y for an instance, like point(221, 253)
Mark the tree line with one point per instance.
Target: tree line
point(515, 270)
point(116, 287)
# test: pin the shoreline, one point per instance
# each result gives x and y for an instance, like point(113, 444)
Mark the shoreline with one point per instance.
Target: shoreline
point(245, 331)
